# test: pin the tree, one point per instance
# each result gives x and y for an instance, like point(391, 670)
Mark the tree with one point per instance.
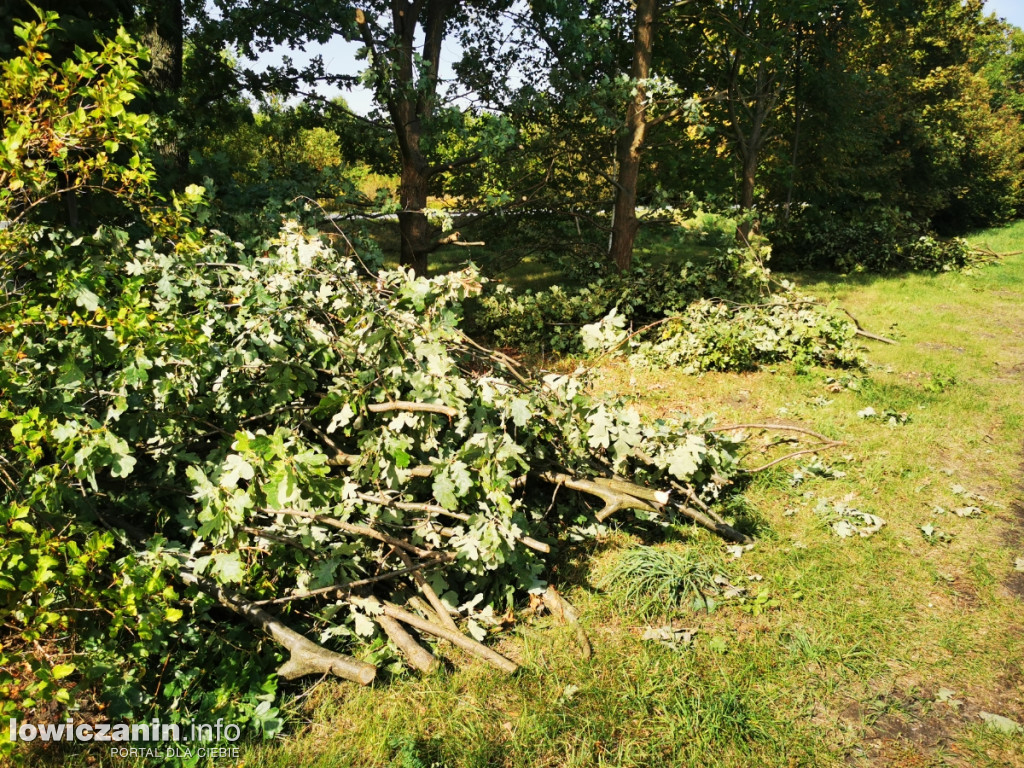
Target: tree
point(403, 48)
point(748, 66)
point(631, 139)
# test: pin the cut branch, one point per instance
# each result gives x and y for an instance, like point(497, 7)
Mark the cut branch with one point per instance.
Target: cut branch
point(431, 595)
point(405, 405)
point(436, 509)
point(621, 494)
point(306, 657)
point(456, 638)
point(362, 530)
point(350, 585)
point(418, 656)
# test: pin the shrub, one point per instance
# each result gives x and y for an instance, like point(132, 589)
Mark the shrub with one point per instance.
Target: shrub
point(873, 239)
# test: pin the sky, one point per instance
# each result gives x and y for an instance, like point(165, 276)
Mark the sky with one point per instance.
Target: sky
point(1011, 10)
point(340, 56)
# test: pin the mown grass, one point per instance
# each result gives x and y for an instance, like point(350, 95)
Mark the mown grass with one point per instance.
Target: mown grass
point(855, 646)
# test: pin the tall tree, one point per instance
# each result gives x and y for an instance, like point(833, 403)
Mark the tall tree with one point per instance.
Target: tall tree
point(403, 49)
point(631, 139)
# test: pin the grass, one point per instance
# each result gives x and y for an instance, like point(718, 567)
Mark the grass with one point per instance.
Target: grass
point(845, 651)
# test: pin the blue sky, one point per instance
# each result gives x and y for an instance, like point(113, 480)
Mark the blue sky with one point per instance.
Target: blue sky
point(1011, 10)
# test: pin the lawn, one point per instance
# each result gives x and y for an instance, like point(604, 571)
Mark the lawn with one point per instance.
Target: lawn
point(892, 649)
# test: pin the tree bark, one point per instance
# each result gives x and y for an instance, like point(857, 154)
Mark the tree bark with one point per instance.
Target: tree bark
point(409, 92)
point(747, 181)
point(629, 144)
point(412, 219)
point(416, 654)
point(164, 36)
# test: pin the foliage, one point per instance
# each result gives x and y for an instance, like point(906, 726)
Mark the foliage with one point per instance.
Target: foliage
point(873, 239)
point(239, 378)
point(66, 128)
point(276, 159)
point(923, 141)
point(272, 419)
point(716, 336)
point(552, 319)
point(720, 316)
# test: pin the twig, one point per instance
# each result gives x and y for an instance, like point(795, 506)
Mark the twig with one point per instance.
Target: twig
point(782, 427)
point(564, 611)
point(875, 336)
point(350, 585)
point(361, 530)
point(792, 456)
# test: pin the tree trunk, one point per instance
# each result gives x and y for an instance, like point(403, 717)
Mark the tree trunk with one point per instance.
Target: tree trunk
point(412, 219)
point(747, 227)
point(410, 102)
point(627, 149)
point(164, 37)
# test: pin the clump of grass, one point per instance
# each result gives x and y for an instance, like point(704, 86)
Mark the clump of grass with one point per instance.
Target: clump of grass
point(658, 581)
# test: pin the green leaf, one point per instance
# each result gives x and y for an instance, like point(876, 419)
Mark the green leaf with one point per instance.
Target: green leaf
point(444, 492)
point(87, 299)
point(62, 670)
point(228, 565)
point(235, 468)
point(521, 412)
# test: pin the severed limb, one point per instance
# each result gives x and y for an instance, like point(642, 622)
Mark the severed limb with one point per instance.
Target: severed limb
point(431, 595)
point(622, 494)
point(456, 638)
point(416, 654)
point(437, 509)
point(306, 657)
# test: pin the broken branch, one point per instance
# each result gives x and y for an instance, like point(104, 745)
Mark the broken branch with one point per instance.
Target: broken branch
point(418, 656)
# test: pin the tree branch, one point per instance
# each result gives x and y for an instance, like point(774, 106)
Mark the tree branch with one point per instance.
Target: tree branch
point(306, 657)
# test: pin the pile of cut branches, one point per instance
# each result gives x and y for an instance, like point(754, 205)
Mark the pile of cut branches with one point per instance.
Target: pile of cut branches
point(198, 427)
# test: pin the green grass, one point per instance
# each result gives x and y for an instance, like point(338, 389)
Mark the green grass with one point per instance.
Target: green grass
point(844, 664)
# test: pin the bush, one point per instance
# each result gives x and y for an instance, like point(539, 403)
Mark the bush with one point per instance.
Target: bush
point(874, 239)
